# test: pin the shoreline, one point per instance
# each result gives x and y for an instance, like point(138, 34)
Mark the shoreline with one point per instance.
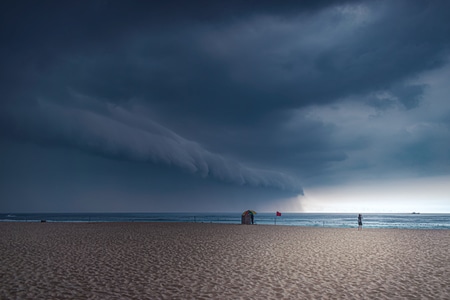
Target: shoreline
point(176, 260)
point(433, 221)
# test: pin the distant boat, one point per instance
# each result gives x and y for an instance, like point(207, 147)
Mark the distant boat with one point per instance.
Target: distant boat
point(415, 213)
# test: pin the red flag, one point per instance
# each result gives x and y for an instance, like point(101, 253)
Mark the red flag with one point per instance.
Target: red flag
point(278, 214)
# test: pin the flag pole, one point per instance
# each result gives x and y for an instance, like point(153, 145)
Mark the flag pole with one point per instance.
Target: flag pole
point(277, 214)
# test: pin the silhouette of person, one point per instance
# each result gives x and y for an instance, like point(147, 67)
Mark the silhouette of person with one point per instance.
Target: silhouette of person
point(359, 222)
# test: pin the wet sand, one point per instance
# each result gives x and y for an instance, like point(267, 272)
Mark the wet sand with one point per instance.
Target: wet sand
point(220, 261)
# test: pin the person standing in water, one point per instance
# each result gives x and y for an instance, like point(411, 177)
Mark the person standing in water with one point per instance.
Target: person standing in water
point(359, 222)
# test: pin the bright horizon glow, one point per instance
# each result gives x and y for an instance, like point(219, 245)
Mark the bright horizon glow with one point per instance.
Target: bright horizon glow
point(424, 195)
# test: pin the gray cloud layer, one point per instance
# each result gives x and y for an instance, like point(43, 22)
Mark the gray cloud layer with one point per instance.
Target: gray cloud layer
point(258, 94)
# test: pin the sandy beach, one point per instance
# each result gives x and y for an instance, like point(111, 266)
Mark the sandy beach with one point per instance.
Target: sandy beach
point(220, 261)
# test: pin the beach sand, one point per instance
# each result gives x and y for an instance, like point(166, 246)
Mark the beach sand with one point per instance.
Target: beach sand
point(220, 261)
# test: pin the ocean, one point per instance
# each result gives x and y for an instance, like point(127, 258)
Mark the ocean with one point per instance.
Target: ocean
point(337, 220)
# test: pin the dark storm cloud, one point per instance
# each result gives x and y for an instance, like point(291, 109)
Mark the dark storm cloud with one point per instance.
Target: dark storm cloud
point(118, 133)
point(247, 92)
point(241, 58)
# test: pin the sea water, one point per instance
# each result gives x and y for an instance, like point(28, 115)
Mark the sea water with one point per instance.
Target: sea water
point(406, 221)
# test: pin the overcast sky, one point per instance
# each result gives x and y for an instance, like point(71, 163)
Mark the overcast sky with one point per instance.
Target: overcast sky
point(224, 106)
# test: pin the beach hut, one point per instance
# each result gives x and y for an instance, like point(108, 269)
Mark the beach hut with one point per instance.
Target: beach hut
point(248, 217)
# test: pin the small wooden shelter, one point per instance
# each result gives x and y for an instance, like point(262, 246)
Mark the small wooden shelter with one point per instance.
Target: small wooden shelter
point(248, 217)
